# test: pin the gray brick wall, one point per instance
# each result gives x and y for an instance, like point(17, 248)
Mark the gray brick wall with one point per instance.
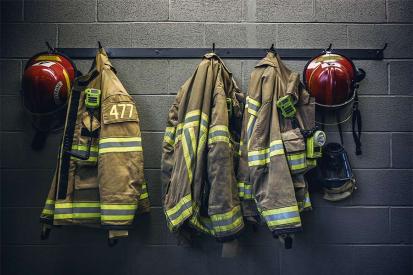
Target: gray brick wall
point(371, 233)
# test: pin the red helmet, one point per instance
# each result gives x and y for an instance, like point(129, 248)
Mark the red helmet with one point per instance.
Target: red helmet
point(331, 78)
point(47, 81)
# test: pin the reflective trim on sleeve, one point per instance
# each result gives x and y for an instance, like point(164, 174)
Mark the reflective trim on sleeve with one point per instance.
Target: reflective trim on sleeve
point(306, 204)
point(77, 210)
point(253, 106)
point(192, 119)
point(144, 192)
point(262, 157)
point(297, 161)
point(250, 127)
point(227, 223)
point(218, 133)
point(169, 136)
point(119, 145)
point(203, 132)
point(248, 192)
point(180, 212)
point(48, 208)
point(82, 150)
point(241, 189)
point(118, 212)
point(282, 216)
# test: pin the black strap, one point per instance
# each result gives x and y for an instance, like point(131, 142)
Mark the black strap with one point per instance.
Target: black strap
point(356, 121)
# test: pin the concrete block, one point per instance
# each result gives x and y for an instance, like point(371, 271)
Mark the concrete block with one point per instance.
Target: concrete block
point(255, 260)
point(401, 225)
point(87, 35)
point(132, 10)
point(326, 259)
point(375, 148)
point(402, 148)
point(266, 34)
point(153, 178)
point(382, 260)
point(10, 75)
point(227, 35)
point(374, 36)
point(311, 35)
point(284, 11)
point(12, 114)
point(375, 82)
point(380, 113)
point(15, 184)
point(342, 225)
point(383, 187)
point(152, 149)
point(25, 40)
point(177, 260)
point(17, 260)
point(11, 10)
point(399, 11)
point(60, 11)
point(153, 111)
point(350, 11)
point(209, 10)
point(16, 151)
point(167, 35)
point(401, 77)
point(143, 76)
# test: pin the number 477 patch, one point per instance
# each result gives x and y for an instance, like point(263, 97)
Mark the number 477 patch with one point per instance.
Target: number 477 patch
point(120, 112)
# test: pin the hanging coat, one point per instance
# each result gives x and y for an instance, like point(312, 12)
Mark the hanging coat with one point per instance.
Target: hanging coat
point(273, 152)
point(200, 152)
point(108, 188)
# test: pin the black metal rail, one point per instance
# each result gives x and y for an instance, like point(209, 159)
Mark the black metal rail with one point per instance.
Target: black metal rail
point(238, 53)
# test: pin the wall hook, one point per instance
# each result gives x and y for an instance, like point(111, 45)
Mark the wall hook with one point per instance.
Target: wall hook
point(272, 49)
point(380, 51)
point(100, 45)
point(49, 47)
point(213, 47)
point(329, 48)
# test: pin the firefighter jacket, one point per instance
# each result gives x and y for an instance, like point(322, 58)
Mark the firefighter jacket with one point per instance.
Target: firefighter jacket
point(108, 188)
point(273, 156)
point(200, 152)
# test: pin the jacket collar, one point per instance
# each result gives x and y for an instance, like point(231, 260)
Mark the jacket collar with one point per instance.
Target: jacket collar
point(270, 59)
point(102, 60)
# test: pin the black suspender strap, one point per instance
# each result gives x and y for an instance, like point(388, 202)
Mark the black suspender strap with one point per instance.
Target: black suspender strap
point(356, 122)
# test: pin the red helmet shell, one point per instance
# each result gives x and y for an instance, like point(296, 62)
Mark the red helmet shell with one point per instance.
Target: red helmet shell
point(46, 82)
point(46, 86)
point(330, 78)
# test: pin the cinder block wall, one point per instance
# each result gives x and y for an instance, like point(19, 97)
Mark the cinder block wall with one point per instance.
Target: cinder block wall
point(371, 233)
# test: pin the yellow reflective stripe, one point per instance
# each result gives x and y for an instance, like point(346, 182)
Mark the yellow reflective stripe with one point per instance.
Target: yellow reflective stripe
point(280, 210)
point(76, 204)
point(117, 217)
point(218, 128)
point(175, 209)
point(67, 80)
point(120, 149)
point(253, 101)
point(258, 152)
point(144, 196)
point(119, 206)
point(50, 201)
point(183, 208)
point(218, 139)
point(227, 215)
point(193, 140)
point(235, 224)
point(76, 216)
point(259, 162)
point(120, 139)
point(48, 58)
point(47, 212)
point(168, 140)
point(187, 157)
point(284, 221)
point(193, 113)
point(296, 156)
point(85, 148)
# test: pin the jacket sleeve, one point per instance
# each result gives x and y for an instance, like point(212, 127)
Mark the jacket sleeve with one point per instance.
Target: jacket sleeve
point(223, 206)
point(120, 165)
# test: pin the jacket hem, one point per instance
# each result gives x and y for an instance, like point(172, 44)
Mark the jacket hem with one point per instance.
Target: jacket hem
point(282, 231)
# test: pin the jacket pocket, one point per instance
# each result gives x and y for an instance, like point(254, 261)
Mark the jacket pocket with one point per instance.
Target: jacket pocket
point(294, 145)
point(86, 177)
point(89, 130)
